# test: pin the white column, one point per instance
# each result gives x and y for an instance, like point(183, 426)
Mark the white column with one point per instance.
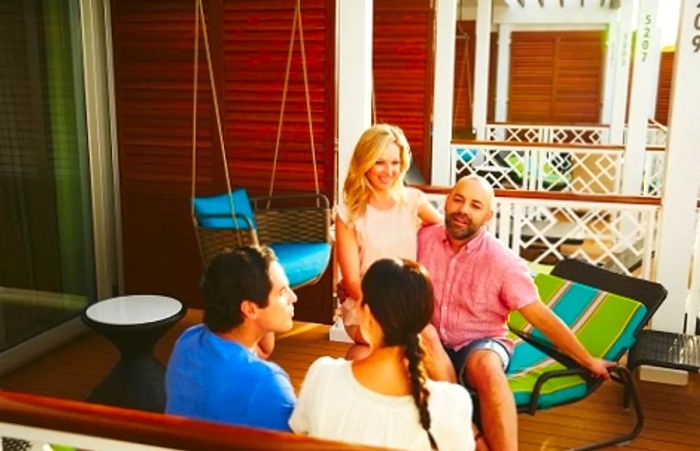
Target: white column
point(481, 66)
point(503, 72)
point(443, 91)
point(609, 75)
point(682, 174)
point(354, 63)
point(646, 48)
point(621, 67)
point(654, 92)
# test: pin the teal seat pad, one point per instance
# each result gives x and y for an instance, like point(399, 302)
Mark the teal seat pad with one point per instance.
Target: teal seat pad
point(302, 262)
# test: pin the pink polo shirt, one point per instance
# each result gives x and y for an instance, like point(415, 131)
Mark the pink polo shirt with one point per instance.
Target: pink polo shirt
point(476, 287)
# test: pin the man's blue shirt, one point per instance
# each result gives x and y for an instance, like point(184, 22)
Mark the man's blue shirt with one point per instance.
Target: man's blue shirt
point(210, 378)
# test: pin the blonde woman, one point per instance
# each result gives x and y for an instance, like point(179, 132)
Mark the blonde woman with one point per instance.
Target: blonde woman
point(378, 216)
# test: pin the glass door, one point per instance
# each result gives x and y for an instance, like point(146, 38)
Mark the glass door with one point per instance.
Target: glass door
point(47, 266)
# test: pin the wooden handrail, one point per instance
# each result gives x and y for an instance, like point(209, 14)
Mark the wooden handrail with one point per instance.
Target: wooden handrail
point(549, 124)
point(147, 428)
point(555, 196)
point(467, 142)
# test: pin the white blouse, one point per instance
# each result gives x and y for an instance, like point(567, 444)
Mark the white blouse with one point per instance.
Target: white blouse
point(386, 233)
point(333, 405)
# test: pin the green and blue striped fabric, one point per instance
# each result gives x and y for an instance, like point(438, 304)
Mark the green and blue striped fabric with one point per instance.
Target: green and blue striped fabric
point(603, 322)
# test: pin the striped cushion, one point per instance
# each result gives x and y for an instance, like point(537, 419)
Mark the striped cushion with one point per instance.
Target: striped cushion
point(603, 322)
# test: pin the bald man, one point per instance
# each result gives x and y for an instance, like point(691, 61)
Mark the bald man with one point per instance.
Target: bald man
point(478, 281)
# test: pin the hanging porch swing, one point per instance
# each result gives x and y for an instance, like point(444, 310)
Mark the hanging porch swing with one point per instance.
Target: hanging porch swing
point(295, 226)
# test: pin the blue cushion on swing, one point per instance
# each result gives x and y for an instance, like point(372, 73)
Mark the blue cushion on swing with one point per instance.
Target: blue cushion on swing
point(215, 212)
point(302, 262)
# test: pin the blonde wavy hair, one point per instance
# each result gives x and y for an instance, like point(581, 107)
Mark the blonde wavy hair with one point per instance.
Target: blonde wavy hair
point(368, 150)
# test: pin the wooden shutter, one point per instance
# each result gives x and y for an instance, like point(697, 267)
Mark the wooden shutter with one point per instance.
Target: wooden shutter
point(153, 58)
point(663, 96)
point(256, 36)
point(403, 71)
point(555, 77)
point(256, 42)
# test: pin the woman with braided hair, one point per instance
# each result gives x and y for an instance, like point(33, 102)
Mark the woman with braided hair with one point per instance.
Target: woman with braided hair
point(386, 399)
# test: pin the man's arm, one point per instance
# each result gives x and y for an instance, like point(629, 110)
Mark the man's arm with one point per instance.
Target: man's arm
point(540, 316)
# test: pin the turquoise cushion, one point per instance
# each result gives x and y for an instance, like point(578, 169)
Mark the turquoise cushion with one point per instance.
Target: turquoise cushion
point(215, 212)
point(554, 392)
point(303, 262)
point(524, 356)
point(465, 155)
point(603, 322)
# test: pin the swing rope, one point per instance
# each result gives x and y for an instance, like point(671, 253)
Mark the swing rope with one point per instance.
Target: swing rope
point(296, 19)
point(200, 17)
point(465, 71)
point(301, 233)
point(195, 90)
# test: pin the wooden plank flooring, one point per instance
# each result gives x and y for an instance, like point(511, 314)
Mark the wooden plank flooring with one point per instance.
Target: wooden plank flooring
point(672, 413)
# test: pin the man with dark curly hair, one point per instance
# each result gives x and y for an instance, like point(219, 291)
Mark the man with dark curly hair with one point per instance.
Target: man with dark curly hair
point(215, 372)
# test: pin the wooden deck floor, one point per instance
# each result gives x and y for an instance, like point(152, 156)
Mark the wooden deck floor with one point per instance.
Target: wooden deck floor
point(672, 413)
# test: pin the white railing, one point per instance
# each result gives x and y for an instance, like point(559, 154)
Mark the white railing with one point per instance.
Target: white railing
point(561, 134)
point(573, 169)
point(620, 236)
point(540, 168)
point(656, 135)
point(653, 171)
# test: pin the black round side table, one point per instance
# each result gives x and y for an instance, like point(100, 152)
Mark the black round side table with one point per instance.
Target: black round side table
point(134, 324)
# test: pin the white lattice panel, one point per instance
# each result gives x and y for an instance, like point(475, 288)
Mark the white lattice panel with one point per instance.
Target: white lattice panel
point(653, 173)
point(621, 237)
point(547, 134)
point(503, 167)
point(577, 135)
point(540, 168)
point(522, 133)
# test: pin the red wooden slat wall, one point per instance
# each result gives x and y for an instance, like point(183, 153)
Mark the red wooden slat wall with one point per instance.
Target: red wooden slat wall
point(256, 42)
point(153, 58)
point(556, 77)
point(403, 71)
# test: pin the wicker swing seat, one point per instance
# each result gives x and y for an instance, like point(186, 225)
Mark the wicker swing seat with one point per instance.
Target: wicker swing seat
point(295, 226)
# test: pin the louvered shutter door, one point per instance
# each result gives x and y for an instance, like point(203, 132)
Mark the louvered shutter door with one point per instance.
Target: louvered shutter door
point(663, 96)
point(578, 78)
point(555, 77)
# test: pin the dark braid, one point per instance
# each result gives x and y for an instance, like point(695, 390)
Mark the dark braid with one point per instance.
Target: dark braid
point(414, 355)
point(400, 296)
